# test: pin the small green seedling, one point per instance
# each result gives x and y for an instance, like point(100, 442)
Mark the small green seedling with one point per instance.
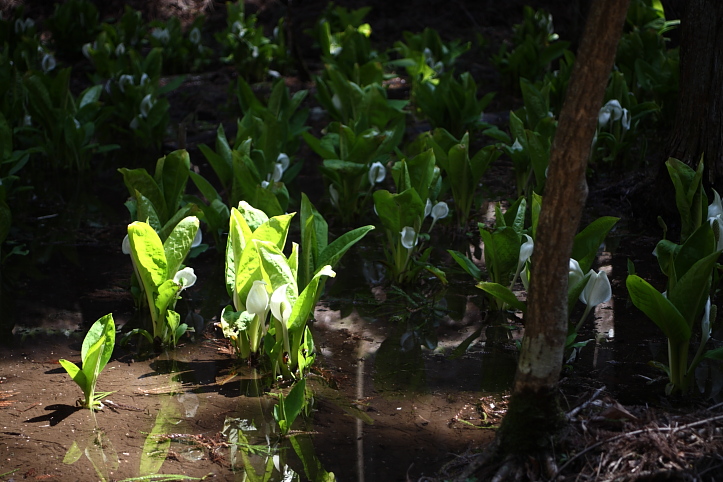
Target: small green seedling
point(95, 353)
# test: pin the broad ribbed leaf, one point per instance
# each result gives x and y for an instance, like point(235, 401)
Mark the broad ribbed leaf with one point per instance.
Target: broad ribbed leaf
point(178, 244)
point(504, 294)
point(658, 308)
point(148, 255)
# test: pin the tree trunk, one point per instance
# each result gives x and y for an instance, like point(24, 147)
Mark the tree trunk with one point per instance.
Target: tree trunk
point(699, 119)
point(534, 413)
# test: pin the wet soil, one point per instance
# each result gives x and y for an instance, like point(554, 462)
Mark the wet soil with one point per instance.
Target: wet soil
point(380, 411)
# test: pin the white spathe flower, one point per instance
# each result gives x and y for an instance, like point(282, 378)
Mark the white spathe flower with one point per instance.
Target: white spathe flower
point(525, 277)
point(409, 237)
point(274, 74)
point(125, 80)
point(146, 105)
point(255, 52)
point(197, 239)
point(440, 211)
point(162, 35)
point(428, 208)
point(86, 50)
point(126, 245)
point(625, 120)
point(120, 49)
point(27, 120)
point(264, 184)
point(185, 278)
point(716, 224)
point(611, 110)
point(280, 304)
point(135, 123)
point(238, 29)
point(377, 172)
point(145, 79)
point(76, 122)
point(715, 208)
point(705, 323)
point(284, 160)
point(516, 146)
point(257, 301)
point(48, 63)
point(334, 194)
point(597, 290)
point(574, 274)
point(526, 249)
point(278, 172)
point(194, 36)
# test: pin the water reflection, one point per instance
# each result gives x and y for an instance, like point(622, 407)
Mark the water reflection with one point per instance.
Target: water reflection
point(97, 448)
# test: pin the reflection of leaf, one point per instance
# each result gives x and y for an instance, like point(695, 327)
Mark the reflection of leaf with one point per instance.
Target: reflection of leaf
point(312, 466)
point(101, 454)
point(156, 447)
point(73, 454)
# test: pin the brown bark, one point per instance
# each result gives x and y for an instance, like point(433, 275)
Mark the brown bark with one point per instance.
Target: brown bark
point(699, 119)
point(533, 406)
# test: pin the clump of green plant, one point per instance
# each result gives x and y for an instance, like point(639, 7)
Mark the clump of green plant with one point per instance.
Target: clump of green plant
point(358, 106)
point(424, 55)
point(73, 24)
point(451, 103)
point(402, 215)
point(353, 163)
point(181, 52)
point(110, 50)
point(261, 279)
point(648, 66)
point(159, 199)
point(618, 139)
point(61, 127)
point(245, 46)
point(136, 99)
point(462, 173)
point(158, 266)
point(689, 270)
point(532, 129)
point(535, 46)
point(508, 247)
point(345, 45)
point(95, 352)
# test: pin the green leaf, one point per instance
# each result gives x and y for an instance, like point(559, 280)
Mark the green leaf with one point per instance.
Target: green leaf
point(588, 241)
point(691, 292)
point(148, 255)
point(155, 447)
point(504, 294)
point(275, 266)
point(716, 354)
point(466, 264)
point(501, 251)
point(689, 195)
point(139, 180)
point(172, 175)
point(292, 405)
point(166, 298)
point(104, 327)
point(334, 251)
point(659, 309)
point(73, 454)
point(178, 244)
point(75, 373)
